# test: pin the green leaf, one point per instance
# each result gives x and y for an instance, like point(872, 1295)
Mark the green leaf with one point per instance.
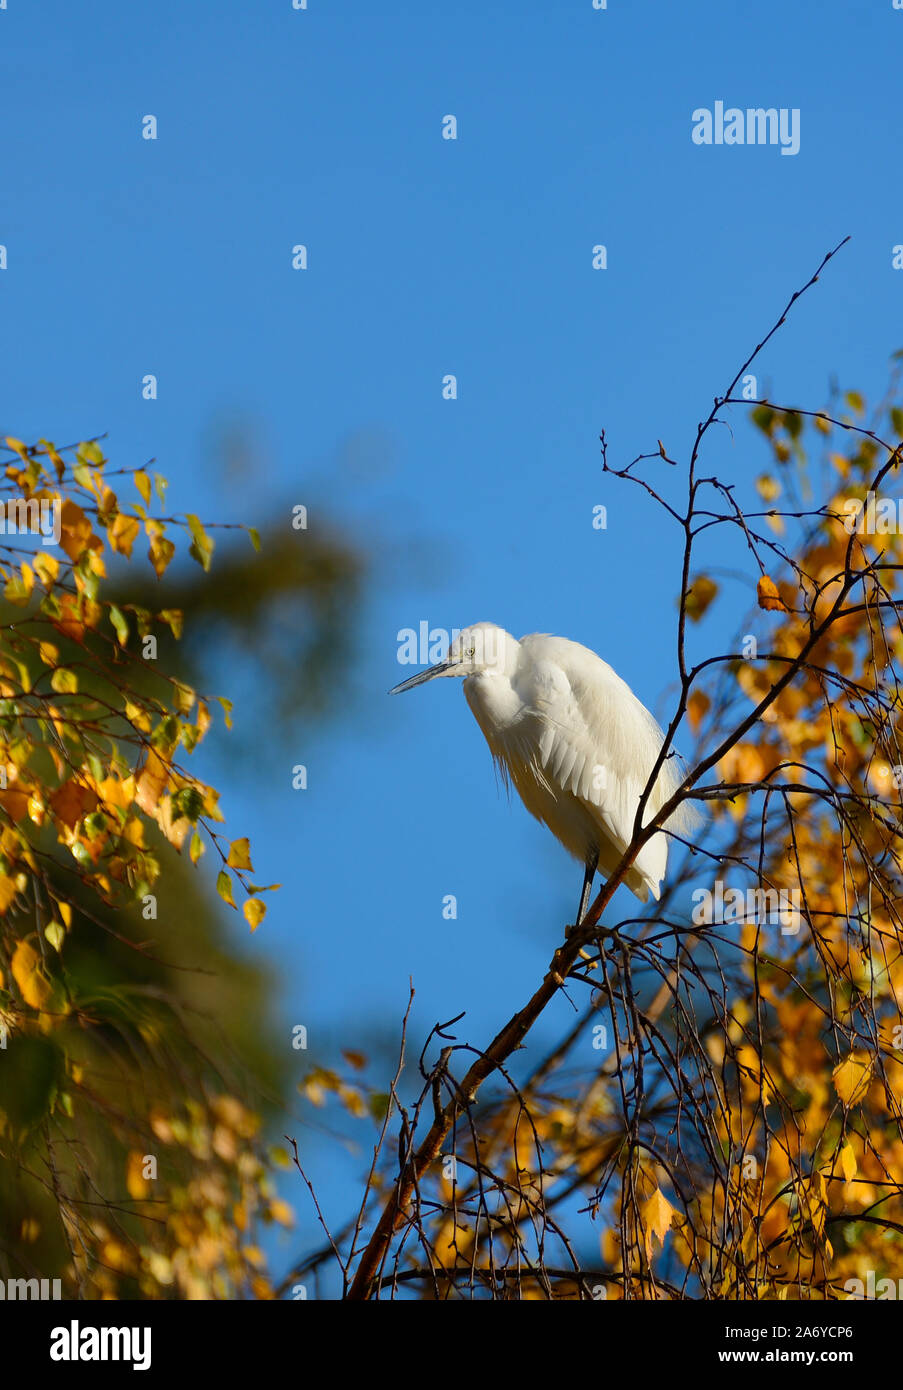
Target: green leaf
point(117, 618)
point(82, 475)
point(379, 1104)
point(763, 416)
point(166, 733)
point(255, 537)
point(224, 888)
point(189, 734)
point(188, 802)
point(91, 452)
point(16, 591)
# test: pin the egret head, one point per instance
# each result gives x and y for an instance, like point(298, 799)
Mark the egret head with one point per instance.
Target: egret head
point(480, 649)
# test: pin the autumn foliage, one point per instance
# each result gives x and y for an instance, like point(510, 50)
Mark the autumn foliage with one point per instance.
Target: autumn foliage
point(129, 1166)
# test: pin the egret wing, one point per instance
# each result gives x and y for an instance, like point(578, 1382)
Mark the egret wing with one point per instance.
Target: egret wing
point(595, 740)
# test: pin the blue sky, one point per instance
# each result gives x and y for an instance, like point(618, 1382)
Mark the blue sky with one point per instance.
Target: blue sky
point(428, 256)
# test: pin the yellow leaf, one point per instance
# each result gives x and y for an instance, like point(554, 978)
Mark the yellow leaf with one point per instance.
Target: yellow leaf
point(183, 697)
point(55, 934)
point(29, 975)
point(137, 716)
point(117, 794)
point(96, 562)
point(175, 829)
point(848, 1162)
point(851, 1077)
point(143, 484)
point(19, 447)
point(240, 854)
point(64, 682)
point(134, 832)
point(122, 533)
point(47, 567)
point(161, 550)
point(254, 911)
point(7, 892)
point(201, 548)
point(54, 456)
point(17, 588)
point(282, 1212)
point(699, 597)
point(658, 1214)
point(135, 1181)
point(203, 719)
point(211, 800)
point(151, 782)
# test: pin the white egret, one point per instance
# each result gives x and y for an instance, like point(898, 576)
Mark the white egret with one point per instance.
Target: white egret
point(575, 741)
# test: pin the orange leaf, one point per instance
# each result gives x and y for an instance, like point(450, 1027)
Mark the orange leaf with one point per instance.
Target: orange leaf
point(768, 595)
point(75, 530)
point(697, 707)
point(71, 801)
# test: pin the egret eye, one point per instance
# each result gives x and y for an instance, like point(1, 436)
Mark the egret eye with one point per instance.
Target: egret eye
point(471, 654)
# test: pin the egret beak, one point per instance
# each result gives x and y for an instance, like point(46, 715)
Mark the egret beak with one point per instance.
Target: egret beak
point(422, 676)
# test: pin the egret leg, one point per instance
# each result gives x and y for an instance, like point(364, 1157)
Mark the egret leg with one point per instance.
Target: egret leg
point(588, 876)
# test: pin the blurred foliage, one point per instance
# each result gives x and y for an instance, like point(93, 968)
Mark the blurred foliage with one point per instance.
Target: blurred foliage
point(137, 1059)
